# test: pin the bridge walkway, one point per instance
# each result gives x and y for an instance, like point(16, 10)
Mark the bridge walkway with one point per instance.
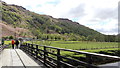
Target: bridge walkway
point(16, 57)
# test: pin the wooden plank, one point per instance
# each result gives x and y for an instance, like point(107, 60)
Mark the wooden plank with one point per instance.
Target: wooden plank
point(10, 57)
point(15, 59)
point(26, 59)
point(0, 59)
point(6, 57)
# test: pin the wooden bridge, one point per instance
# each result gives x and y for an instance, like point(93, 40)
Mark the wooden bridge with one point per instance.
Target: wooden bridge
point(16, 57)
point(38, 56)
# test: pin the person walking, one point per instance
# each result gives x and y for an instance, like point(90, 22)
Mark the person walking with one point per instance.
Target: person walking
point(21, 41)
point(13, 42)
point(2, 42)
point(17, 43)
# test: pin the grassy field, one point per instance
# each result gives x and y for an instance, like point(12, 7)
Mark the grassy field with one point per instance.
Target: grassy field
point(77, 45)
point(7, 42)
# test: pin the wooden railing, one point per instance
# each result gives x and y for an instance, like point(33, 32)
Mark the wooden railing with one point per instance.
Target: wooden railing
point(1, 47)
point(52, 57)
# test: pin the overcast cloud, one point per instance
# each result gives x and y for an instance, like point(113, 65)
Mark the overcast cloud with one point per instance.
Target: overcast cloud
point(100, 15)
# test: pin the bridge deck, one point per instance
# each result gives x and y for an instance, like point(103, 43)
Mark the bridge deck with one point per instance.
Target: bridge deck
point(16, 57)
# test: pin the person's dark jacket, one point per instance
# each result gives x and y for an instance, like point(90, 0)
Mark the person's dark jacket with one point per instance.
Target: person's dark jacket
point(16, 42)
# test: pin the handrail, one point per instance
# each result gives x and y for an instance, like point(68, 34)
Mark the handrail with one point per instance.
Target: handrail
point(41, 52)
point(82, 52)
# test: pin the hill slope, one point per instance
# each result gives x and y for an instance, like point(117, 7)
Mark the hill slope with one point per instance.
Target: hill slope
point(31, 24)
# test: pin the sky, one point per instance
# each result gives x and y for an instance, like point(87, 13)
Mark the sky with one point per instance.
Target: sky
point(100, 15)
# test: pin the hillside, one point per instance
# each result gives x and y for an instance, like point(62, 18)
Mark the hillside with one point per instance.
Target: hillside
point(17, 19)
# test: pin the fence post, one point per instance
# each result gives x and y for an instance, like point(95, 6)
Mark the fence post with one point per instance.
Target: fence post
point(45, 55)
point(26, 49)
point(36, 51)
point(89, 59)
point(31, 49)
point(58, 58)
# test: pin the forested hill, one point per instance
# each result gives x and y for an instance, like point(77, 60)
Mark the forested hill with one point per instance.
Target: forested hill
point(25, 23)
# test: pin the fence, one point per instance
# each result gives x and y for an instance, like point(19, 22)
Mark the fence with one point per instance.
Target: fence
point(1, 47)
point(51, 57)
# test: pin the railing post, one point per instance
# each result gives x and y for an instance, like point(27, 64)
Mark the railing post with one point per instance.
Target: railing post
point(58, 58)
point(89, 59)
point(26, 49)
point(36, 51)
point(45, 55)
point(31, 49)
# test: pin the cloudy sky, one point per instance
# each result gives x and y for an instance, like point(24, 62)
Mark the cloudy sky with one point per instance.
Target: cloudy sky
point(100, 15)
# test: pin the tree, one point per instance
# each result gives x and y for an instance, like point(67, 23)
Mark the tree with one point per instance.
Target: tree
point(90, 38)
point(11, 37)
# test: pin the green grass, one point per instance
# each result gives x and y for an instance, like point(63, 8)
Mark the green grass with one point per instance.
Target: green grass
point(97, 50)
point(7, 42)
point(77, 45)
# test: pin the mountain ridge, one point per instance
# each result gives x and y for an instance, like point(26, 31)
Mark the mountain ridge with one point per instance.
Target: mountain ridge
point(37, 24)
